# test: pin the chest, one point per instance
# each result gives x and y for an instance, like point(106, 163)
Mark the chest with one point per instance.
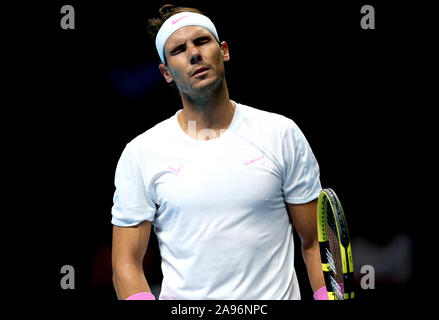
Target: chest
point(231, 176)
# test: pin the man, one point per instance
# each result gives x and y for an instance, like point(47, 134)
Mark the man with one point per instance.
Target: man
point(219, 181)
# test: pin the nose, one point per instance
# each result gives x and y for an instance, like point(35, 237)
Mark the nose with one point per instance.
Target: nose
point(194, 54)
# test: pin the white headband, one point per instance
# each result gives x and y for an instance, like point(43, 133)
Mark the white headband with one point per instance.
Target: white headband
point(180, 20)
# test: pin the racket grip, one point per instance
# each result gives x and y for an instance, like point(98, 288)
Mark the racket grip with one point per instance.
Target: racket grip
point(141, 296)
point(321, 294)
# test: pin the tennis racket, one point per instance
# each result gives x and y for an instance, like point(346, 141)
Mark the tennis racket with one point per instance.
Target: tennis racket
point(335, 247)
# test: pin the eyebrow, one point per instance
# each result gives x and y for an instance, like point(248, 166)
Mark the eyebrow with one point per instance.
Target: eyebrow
point(183, 45)
point(178, 48)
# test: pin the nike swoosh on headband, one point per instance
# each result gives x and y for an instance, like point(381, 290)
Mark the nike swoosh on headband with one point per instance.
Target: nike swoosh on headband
point(175, 21)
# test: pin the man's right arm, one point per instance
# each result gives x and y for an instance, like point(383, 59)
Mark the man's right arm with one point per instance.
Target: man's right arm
point(129, 248)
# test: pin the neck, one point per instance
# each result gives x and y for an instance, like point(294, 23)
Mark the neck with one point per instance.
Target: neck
point(209, 113)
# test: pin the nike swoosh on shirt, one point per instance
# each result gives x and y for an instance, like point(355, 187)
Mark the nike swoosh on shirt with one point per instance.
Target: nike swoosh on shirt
point(176, 171)
point(175, 21)
point(246, 163)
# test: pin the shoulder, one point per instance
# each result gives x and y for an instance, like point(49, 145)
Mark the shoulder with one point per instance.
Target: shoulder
point(153, 137)
point(268, 120)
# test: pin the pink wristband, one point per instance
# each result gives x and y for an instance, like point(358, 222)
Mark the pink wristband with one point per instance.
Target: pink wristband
point(321, 294)
point(141, 296)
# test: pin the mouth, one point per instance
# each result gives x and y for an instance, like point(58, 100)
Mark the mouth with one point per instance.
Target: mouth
point(200, 71)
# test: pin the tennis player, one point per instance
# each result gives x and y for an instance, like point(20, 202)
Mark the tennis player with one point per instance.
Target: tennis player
point(218, 181)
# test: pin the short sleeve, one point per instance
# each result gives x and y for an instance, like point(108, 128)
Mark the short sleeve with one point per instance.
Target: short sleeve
point(132, 203)
point(301, 175)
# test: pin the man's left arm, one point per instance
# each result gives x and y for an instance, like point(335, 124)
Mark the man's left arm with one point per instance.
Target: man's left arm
point(304, 217)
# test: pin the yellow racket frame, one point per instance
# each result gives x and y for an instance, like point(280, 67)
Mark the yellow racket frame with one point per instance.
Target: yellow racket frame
point(329, 196)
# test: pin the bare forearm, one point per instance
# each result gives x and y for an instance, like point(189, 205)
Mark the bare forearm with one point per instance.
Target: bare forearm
point(311, 256)
point(129, 279)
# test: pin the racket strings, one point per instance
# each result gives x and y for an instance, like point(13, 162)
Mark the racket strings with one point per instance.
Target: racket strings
point(334, 258)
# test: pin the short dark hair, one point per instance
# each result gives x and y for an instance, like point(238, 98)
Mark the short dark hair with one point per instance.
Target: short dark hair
point(153, 25)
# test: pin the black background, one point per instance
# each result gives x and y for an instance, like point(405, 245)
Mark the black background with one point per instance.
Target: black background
point(358, 95)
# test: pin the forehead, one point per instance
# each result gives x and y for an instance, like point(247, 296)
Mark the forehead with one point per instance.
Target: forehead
point(186, 33)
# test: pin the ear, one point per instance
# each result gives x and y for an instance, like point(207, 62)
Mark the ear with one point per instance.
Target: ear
point(165, 72)
point(225, 50)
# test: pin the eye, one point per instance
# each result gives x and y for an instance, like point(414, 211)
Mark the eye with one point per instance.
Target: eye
point(178, 49)
point(201, 40)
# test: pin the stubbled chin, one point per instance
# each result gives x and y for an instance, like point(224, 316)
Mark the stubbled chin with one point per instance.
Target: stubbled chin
point(206, 82)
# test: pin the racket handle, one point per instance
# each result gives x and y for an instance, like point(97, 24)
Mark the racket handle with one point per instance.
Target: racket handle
point(141, 296)
point(321, 294)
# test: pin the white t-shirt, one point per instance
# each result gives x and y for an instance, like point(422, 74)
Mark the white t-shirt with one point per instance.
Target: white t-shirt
point(218, 206)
